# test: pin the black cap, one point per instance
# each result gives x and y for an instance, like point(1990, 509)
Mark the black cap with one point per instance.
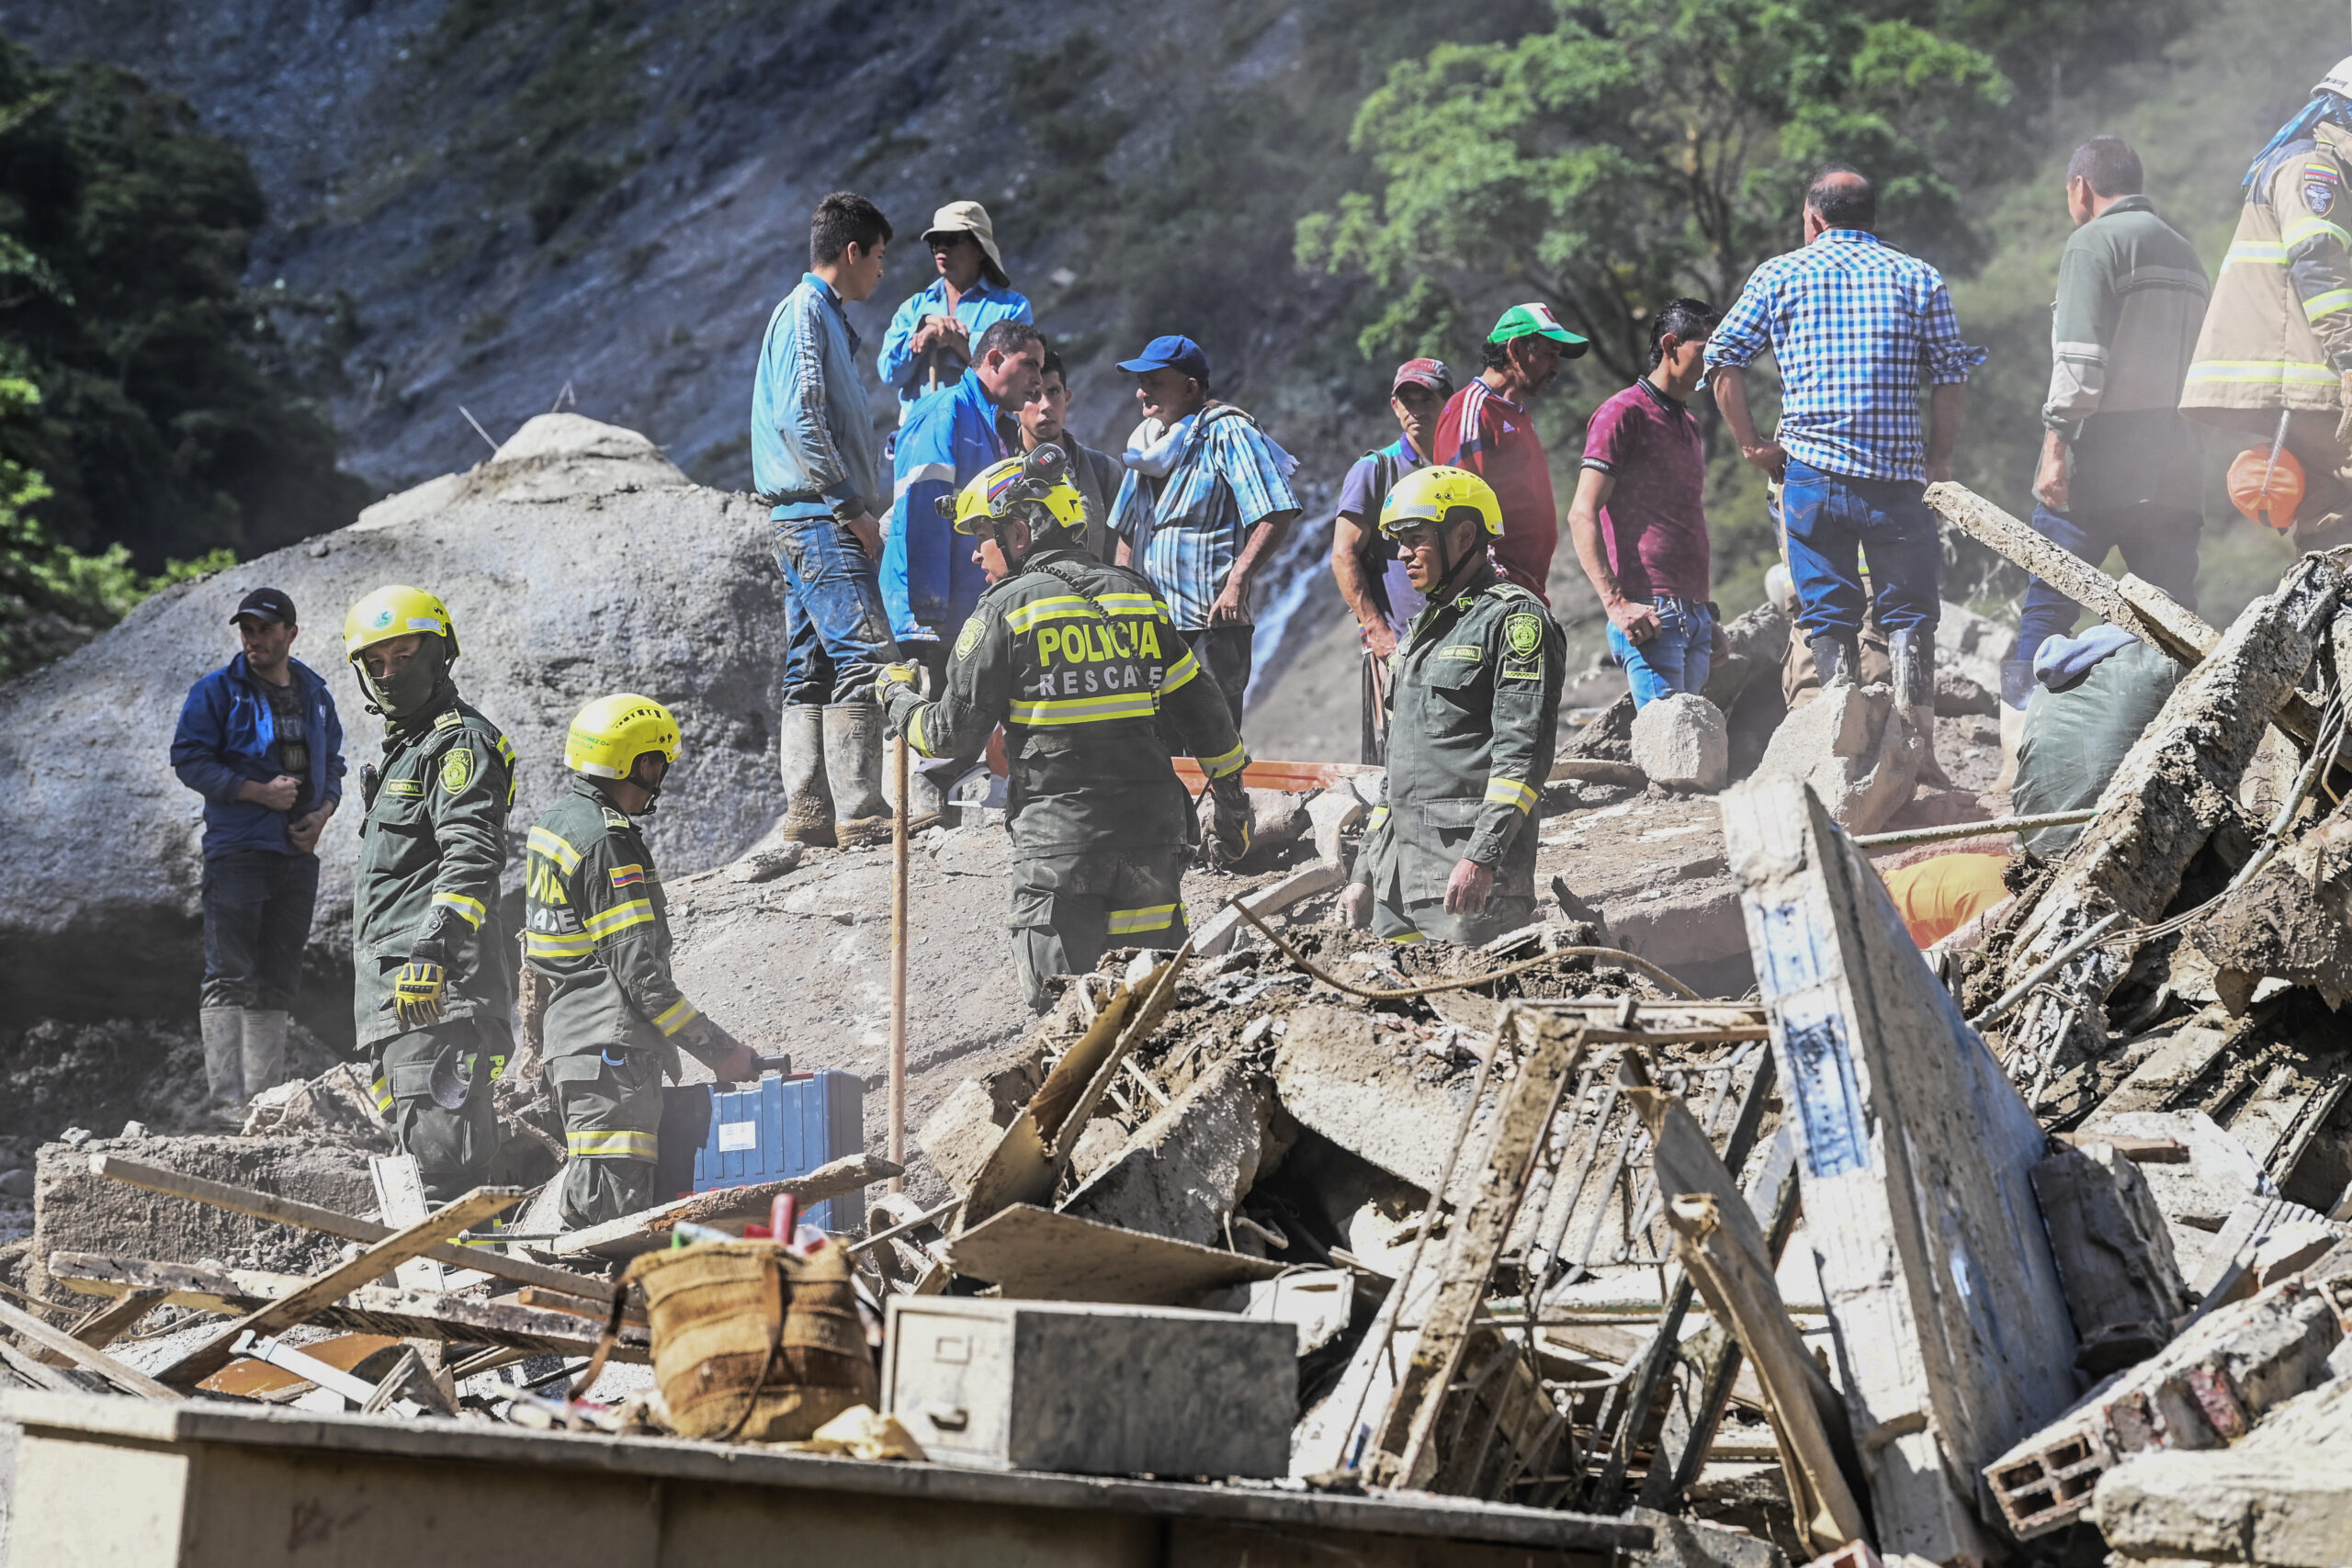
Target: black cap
point(268, 604)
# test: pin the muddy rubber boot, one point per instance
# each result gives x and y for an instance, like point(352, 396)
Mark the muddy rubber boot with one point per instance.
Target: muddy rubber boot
point(808, 807)
point(854, 768)
point(2016, 689)
point(224, 1065)
point(265, 1052)
point(1912, 652)
point(1835, 660)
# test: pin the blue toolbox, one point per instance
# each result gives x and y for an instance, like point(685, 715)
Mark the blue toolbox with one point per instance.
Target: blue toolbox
point(786, 1124)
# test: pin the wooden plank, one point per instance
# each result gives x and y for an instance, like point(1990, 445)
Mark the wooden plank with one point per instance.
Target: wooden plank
point(50, 1338)
point(390, 1311)
point(1403, 1451)
point(1915, 1153)
point(105, 1324)
point(649, 1228)
point(310, 1216)
point(336, 1284)
point(35, 1373)
point(1291, 778)
point(400, 1202)
point(1039, 1255)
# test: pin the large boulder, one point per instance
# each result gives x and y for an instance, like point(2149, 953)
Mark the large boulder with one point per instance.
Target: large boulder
point(576, 561)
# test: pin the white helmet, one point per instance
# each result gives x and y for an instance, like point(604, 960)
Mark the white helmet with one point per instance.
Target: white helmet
point(2338, 79)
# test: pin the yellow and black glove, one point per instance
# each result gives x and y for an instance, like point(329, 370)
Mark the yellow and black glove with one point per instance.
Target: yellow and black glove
point(418, 984)
point(891, 676)
point(1230, 821)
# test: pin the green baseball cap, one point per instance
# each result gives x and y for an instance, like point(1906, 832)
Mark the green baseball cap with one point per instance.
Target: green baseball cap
point(1522, 320)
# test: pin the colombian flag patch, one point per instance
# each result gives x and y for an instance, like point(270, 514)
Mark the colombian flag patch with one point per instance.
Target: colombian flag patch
point(628, 875)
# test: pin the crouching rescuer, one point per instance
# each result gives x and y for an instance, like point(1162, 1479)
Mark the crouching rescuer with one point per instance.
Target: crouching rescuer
point(1474, 697)
point(596, 931)
point(1081, 663)
point(433, 981)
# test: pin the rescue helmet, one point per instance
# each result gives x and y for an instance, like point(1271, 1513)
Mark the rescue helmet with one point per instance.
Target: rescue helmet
point(610, 734)
point(395, 612)
point(1020, 487)
point(1439, 493)
point(2338, 80)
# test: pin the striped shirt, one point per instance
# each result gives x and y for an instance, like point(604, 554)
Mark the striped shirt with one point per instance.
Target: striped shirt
point(1193, 522)
point(1854, 326)
point(1493, 438)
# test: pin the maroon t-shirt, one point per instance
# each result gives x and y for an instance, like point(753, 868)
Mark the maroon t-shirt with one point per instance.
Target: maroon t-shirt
point(1655, 525)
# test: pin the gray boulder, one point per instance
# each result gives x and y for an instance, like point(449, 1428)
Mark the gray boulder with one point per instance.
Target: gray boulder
point(576, 561)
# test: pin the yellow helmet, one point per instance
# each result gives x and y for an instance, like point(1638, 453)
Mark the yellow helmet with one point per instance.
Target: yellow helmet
point(1042, 477)
point(1433, 494)
point(395, 612)
point(611, 733)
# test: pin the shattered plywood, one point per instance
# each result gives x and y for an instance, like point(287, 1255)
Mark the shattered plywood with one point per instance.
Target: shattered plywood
point(1040, 1254)
point(1915, 1157)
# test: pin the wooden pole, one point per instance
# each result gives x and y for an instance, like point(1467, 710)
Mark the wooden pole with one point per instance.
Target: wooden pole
point(899, 967)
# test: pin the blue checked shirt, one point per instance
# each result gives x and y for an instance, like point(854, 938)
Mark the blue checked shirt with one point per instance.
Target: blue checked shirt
point(1224, 483)
point(1855, 326)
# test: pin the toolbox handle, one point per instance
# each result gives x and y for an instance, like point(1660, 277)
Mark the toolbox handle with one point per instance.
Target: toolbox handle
point(946, 1417)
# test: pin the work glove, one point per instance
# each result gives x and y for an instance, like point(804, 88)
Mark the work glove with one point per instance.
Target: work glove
point(893, 676)
point(1230, 821)
point(418, 984)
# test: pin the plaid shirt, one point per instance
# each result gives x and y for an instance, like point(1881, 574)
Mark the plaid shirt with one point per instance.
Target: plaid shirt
point(1852, 324)
point(1224, 483)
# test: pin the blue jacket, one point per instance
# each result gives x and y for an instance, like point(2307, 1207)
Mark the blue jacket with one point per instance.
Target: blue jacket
point(813, 452)
point(224, 735)
point(929, 579)
point(982, 305)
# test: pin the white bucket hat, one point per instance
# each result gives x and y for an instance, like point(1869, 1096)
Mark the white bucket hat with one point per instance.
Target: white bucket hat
point(970, 218)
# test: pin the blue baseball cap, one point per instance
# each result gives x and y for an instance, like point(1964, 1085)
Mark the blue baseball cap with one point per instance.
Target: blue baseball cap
point(1170, 353)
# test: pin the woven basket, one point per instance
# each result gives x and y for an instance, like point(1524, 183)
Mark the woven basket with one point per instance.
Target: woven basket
point(751, 1343)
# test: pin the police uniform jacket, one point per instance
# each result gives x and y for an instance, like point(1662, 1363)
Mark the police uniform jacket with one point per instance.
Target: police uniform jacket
point(596, 928)
point(434, 839)
point(1081, 663)
point(2278, 333)
point(1474, 698)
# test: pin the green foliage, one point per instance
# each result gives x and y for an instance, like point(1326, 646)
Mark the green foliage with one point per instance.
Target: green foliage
point(172, 418)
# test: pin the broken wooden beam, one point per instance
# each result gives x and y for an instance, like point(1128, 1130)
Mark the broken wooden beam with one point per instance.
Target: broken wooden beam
point(649, 1228)
point(2069, 573)
point(328, 1222)
point(381, 1259)
point(385, 1310)
point(1916, 1154)
point(89, 1359)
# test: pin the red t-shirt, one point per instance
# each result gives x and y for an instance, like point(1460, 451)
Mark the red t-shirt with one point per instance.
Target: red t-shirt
point(1655, 525)
point(1487, 433)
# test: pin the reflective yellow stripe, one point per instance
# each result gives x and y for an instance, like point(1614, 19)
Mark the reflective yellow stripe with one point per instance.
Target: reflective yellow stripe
point(2327, 304)
point(1183, 670)
point(2304, 228)
point(1155, 916)
point(1408, 937)
point(382, 1089)
point(915, 737)
point(602, 1145)
point(1379, 816)
point(2298, 372)
point(1085, 710)
point(1023, 617)
point(2256, 253)
point(469, 908)
point(676, 1017)
point(620, 916)
point(555, 849)
point(1225, 762)
point(1509, 792)
point(538, 945)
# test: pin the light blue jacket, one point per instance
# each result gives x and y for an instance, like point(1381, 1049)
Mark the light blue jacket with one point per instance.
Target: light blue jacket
point(929, 579)
point(813, 452)
point(981, 307)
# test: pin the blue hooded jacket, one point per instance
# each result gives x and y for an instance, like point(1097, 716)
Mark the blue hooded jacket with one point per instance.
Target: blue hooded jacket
point(929, 582)
point(225, 733)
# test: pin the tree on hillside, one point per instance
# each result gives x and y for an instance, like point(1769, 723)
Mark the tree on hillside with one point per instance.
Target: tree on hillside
point(1640, 150)
point(171, 417)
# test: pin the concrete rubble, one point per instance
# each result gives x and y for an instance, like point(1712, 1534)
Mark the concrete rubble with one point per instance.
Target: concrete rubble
point(2040, 1246)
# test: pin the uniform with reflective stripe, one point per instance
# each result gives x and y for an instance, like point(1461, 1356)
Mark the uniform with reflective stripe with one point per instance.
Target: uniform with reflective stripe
point(2278, 333)
point(1474, 697)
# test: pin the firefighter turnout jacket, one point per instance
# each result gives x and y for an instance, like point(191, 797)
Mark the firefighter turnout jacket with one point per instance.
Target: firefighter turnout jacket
point(1081, 663)
point(596, 930)
point(2278, 333)
point(1473, 696)
point(434, 839)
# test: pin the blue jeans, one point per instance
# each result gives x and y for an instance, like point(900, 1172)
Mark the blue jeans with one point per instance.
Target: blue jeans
point(837, 634)
point(257, 906)
point(1830, 520)
point(2158, 544)
point(1678, 659)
